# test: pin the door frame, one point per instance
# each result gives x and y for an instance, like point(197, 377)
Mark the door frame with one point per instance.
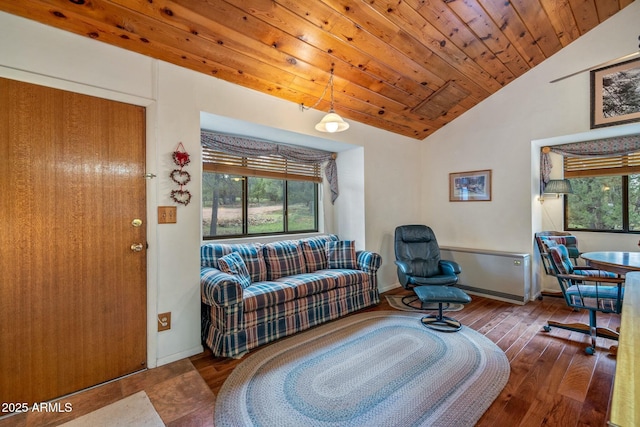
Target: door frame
point(151, 185)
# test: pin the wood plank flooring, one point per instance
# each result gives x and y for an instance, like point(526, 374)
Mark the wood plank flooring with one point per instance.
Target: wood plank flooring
point(552, 382)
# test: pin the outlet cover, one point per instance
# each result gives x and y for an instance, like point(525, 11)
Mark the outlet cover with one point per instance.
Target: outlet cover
point(164, 321)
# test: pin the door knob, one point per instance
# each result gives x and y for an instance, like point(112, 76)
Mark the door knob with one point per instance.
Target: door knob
point(137, 247)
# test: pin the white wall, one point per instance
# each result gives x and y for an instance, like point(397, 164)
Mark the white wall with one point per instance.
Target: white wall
point(349, 223)
point(497, 134)
point(378, 171)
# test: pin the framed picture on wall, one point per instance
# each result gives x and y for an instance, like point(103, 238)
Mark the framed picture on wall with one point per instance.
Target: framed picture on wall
point(615, 94)
point(474, 186)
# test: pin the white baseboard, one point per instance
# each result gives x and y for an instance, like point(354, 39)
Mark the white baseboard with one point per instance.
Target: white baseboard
point(178, 356)
point(390, 286)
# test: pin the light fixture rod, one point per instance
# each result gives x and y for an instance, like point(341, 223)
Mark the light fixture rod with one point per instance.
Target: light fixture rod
point(604, 64)
point(331, 84)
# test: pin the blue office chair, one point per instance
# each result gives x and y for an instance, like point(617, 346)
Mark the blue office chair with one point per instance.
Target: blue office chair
point(544, 239)
point(586, 288)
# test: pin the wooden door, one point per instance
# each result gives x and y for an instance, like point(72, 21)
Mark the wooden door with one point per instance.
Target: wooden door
point(72, 291)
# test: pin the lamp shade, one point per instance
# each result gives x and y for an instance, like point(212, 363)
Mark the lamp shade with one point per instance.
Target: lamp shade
point(332, 123)
point(558, 186)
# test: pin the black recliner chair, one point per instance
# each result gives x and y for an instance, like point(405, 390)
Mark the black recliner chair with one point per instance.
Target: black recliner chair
point(418, 260)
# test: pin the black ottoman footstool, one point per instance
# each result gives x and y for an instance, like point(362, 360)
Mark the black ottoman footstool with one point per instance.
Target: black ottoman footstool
point(441, 295)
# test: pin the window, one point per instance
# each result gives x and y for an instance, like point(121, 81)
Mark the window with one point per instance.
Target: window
point(257, 196)
point(606, 194)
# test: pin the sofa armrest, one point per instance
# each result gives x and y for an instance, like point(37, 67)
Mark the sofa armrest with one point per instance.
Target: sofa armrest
point(219, 288)
point(368, 262)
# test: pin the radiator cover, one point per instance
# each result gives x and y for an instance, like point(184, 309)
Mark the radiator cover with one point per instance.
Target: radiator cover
point(505, 276)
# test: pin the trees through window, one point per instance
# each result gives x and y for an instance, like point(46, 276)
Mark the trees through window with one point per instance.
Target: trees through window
point(239, 205)
point(604, 203)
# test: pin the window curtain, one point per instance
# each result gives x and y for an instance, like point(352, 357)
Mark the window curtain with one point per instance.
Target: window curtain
point(615, 146)
point(246, 147)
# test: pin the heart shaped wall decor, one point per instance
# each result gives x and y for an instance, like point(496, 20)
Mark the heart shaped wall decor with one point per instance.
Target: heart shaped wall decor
point(180, 177)
point(181, 196)
point(180, 156)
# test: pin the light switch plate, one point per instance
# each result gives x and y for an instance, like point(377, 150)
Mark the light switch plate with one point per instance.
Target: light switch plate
point(167, 215)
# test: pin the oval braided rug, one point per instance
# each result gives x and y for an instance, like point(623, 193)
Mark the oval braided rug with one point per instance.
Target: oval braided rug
point(370, 369)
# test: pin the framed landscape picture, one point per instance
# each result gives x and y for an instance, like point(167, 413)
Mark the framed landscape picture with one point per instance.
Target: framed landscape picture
point(615, 94)
point(474, 186)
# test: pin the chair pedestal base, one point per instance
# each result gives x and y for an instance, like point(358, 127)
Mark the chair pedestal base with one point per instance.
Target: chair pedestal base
point(441, 323)
point(587, 330)
point(409, 300)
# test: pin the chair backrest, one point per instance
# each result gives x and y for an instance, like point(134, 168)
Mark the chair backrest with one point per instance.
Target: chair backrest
point(544, 239)
point(417, 245)
point(589, 292)
point(559, 257)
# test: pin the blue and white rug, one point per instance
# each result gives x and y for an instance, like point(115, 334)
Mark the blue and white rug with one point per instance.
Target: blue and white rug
point(370, 369)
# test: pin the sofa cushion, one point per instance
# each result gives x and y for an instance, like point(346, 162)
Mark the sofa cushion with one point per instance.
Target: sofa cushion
point(315, 253)
point(309, 283)
point(251, 254)
point(283, 259)
point(233, 264)
point(267, 294)
point(346, 277)
point(341, 254)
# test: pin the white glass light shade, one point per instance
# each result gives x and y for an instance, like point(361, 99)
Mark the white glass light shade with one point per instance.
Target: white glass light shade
point(332, 123)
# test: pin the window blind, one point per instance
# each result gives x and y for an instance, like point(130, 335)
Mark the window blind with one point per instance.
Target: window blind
point(271, 166)
point(575, 167)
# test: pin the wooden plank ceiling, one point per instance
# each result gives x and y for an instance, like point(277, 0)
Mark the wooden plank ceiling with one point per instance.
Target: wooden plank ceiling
point(407, 66)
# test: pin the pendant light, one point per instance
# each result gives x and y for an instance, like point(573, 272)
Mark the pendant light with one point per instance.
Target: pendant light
point(331, 122)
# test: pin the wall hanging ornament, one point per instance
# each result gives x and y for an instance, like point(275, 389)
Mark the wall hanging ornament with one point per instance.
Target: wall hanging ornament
point(180, 156)
point(180, 176)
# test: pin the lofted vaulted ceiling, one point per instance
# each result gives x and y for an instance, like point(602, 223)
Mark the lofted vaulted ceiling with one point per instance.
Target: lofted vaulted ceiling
point(406, 66)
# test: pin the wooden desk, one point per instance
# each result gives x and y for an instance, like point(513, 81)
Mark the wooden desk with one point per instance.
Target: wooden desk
point(625, 410)
point(616, 262)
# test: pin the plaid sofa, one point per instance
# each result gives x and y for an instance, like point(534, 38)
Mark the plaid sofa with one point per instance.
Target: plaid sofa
point(280, 288)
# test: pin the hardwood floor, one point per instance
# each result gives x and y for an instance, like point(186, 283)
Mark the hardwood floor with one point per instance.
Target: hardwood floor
point(177, 391)
point(552, 382)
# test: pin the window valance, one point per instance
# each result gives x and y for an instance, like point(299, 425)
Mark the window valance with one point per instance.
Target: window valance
point(615, 146)
point(246, 147)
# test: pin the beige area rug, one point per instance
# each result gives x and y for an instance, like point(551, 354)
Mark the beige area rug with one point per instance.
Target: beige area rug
point(369, 369)
point(395, 301)
point(135, 410)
